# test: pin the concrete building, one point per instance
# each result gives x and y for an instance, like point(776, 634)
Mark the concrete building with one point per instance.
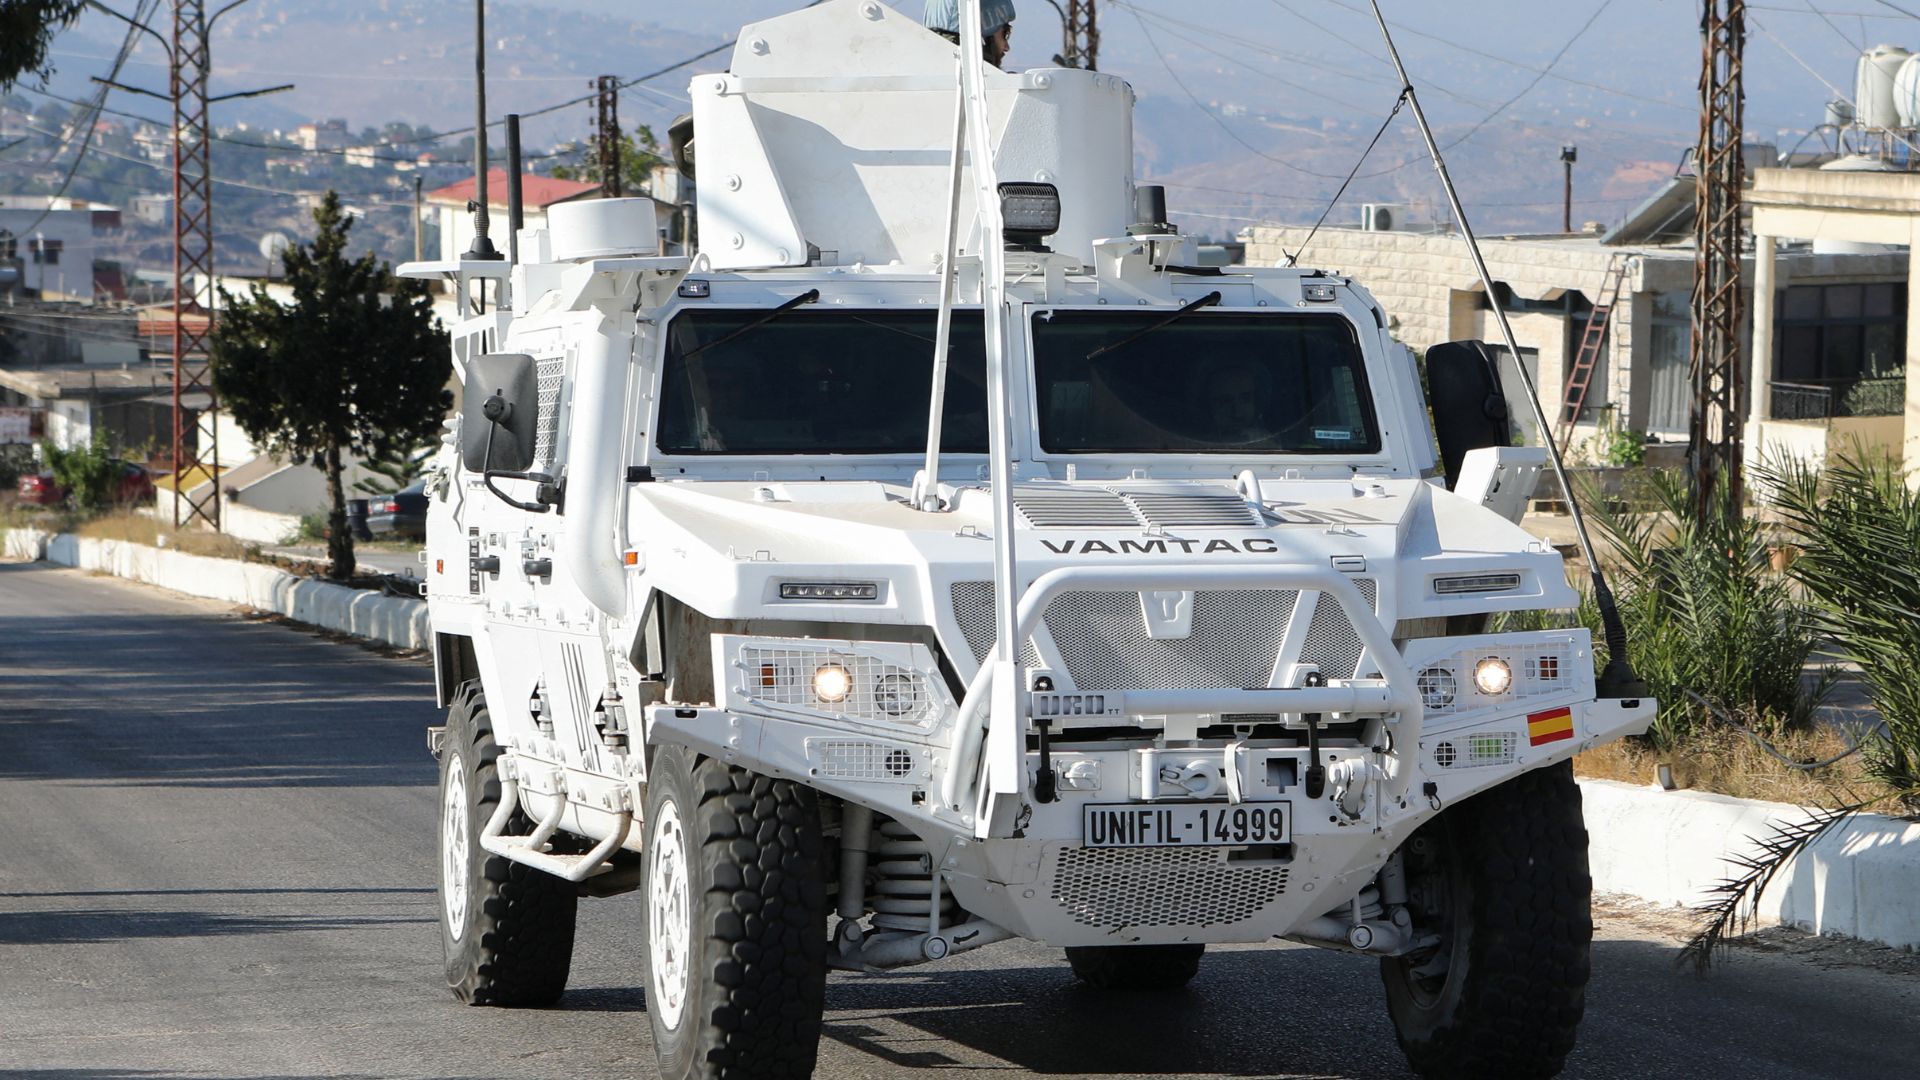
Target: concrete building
point(322, 135)
point(1832, 366)
point(1551, 284)
point(47, 245)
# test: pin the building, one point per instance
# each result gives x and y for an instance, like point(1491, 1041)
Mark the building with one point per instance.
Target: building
point(322, 135)
point(1550, 286)
point(448, 206)
point(47, 245)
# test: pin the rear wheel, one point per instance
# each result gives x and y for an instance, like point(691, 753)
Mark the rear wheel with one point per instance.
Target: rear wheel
point(506, 929)
point(736, 921)
point(1135, 967)
point(1502, 880)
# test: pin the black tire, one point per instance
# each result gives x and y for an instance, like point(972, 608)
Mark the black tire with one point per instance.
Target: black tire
point(508, 938)
point(1135, 967)
point(1503, 879)
point(736, 909)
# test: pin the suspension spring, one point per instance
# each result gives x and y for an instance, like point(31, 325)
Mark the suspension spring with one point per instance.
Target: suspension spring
point(902, 876)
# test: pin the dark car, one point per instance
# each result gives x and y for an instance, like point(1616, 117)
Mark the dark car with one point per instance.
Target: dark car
point(134, 486)
point(403, 513)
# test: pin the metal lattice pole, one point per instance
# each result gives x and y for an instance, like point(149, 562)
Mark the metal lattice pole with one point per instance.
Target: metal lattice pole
point(607, 107)
point(1083, 36)
point(1717, 419)
point(192, 255)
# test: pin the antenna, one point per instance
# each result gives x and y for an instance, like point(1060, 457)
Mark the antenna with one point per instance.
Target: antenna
point(1618, 680)
point(482, 246)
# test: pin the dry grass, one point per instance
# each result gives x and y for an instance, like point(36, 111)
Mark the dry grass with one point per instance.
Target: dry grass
point(140, 529)
point(1727, 763)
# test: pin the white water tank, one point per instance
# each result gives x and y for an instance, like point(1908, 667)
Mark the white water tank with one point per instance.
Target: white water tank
point(1873, 86)
point(1906, 92)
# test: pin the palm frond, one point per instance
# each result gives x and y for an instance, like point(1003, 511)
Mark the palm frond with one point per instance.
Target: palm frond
point(1734, 904)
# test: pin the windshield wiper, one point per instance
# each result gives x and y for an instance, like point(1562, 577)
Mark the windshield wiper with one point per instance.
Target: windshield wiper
point(807, 297)
point(1208, 300)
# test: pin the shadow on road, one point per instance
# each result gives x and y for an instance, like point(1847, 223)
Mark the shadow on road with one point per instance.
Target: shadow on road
point(95, 688)
point(91, 927)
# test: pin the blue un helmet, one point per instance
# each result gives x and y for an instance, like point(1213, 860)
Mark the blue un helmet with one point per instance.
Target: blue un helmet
point(945, 15)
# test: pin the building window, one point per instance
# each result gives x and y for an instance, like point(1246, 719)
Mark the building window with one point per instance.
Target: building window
point(45, 252)
point(1670, 350)
point(1840, 350)
point(9, 247)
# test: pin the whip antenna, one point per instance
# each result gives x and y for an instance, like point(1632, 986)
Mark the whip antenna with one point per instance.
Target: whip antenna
point(1618, 680)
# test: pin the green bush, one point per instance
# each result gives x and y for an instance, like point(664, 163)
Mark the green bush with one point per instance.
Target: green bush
point(15, 460)
point(1858, 525)
point(1704, 613)
point(88, 472)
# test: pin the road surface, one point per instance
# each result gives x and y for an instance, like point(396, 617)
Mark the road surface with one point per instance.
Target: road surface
point(217, 861)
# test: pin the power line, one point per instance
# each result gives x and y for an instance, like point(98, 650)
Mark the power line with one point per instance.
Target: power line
point(143, 11)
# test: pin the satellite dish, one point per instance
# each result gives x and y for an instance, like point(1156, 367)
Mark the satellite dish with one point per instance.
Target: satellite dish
point(272, 244)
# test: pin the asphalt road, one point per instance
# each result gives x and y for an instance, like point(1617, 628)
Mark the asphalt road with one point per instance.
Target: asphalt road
point(216, 860)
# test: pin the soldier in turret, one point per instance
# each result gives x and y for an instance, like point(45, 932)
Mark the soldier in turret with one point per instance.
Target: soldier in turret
point(943, 18)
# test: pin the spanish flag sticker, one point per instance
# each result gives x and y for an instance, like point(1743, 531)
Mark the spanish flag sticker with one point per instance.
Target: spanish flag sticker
point(1550, 726)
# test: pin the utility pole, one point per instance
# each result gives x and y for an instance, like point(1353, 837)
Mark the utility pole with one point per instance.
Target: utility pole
point(1568, 155)
point(1715, 423)
point(1082, 36)
point(418, 239)
point(192, 255)
point(607, 133)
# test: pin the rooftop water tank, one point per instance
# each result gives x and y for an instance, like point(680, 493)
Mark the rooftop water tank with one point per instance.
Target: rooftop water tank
point(1873, 86)
point(1906, 92)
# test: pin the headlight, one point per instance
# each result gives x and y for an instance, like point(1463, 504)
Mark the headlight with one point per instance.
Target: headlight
point(1493, 676)
point(832, 683)
point(898, 695)
point(1438, 687)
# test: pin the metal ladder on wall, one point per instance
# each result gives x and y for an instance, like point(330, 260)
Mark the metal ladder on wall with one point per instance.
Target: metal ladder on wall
point(1580, 375)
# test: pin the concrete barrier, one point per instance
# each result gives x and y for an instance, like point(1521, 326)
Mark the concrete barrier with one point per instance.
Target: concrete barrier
point(1860, 880)
point(394, 620)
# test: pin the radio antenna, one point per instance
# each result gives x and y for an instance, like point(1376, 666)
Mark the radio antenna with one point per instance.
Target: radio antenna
point(1618, 680)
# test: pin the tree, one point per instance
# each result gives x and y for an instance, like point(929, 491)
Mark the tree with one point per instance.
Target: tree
point(355, 366)
point(27, 28)
point(639, 153)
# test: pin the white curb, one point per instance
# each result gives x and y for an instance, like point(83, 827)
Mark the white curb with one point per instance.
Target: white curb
point(397, 621)
point(1860, 880)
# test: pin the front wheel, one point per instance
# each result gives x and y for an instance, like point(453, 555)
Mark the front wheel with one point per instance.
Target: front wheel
point(736, 910)
point(506, 929)
point(1502, 880)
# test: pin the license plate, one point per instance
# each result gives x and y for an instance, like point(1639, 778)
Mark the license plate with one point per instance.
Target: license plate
point(1185, 824)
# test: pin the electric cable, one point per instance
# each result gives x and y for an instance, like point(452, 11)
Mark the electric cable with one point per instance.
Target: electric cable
point(1293, 257)
point(127, 44)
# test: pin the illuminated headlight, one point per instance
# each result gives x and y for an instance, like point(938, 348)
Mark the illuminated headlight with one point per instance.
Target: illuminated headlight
point(1493, 676)
point(874, 681)
point(1475, 583)
point(829, 590)
point(832, 683)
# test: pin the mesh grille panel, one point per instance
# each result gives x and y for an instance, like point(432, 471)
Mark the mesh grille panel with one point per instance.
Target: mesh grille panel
point(550, 371)
point(973, 610)
point(1104, 644)
point(1476, 750)
point(1161, 886)
point(1331, 642)
point(861, 759)
point(1538, 670)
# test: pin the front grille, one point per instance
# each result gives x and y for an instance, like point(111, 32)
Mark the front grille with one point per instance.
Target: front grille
point(1120, 887)
point(1049, 506)
point(1194, 510)
point(1104, 644)
point(1236, 638)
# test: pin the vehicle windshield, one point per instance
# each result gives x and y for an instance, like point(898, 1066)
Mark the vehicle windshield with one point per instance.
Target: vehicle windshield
point(1212, 382)
point(818, 382)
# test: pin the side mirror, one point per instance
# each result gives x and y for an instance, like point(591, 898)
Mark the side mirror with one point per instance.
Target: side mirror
point(500, 414)
point(1469, 408)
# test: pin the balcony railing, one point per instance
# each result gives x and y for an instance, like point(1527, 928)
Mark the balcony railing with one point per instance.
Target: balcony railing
point(1827, 401)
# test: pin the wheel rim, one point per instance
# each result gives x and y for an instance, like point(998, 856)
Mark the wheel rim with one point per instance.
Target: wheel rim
point(1433, 871)
point(669, 916)
point(453, 847)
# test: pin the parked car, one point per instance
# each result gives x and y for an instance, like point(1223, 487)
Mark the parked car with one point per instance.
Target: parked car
point(135, 485)
point(403, 513)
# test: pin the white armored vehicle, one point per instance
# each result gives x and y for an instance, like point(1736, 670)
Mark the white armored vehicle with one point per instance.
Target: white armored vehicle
point(939, 556)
